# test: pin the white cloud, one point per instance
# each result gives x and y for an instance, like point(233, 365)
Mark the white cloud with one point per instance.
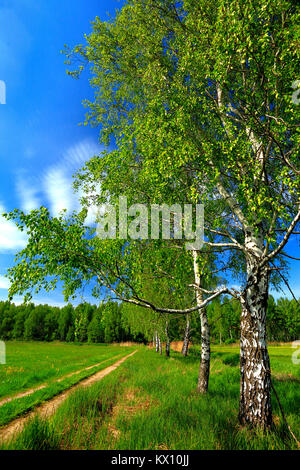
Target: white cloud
point(92, 210)
point(91, 215)
point(11, 239)
point(58, 181)
point(58, 188)
point(28, 194)
point(4, 282)
point(54, 188)
point(80, 153)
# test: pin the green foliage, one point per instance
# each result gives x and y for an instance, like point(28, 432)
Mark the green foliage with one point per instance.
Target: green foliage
point(113, 322)
point(283, 323)
point(157, 71)
point(85, 323)
point(283, 320)
point(96, 328)
point(65, 321)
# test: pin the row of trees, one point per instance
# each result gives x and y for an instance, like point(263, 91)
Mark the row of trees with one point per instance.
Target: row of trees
point(283, 320)
point(84, 323)
point(113, 322)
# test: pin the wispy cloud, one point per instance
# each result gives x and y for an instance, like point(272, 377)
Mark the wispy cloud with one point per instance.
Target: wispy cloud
point(58, 188)
point(54, 186)
point(57, 181)
point(27, 194)
point(78, 154)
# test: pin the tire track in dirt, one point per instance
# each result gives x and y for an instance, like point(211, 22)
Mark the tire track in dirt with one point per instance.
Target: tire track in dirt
point(48, 408)
point(60, 379)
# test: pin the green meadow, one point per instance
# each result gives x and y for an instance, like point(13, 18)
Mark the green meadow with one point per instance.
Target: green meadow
point(55, 366)
point(150, 402)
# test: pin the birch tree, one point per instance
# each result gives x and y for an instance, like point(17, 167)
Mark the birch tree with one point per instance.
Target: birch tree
point(210, 90)
point(187, 337)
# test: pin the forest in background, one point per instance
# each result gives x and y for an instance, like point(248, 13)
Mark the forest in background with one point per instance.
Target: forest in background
point(117, 322)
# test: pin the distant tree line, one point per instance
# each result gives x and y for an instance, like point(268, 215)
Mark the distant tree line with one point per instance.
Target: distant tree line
point(84, 323)
point(283, 320)
point(117, 322)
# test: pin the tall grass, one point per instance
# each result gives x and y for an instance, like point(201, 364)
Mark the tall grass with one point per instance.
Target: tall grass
point(19, 406)
point(29, 364)
point(150, 403)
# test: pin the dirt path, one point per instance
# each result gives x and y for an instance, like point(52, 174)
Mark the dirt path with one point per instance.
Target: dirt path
point(41, 387)
point(48, 409)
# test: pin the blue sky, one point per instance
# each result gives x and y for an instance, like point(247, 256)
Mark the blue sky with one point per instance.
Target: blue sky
point(41, 142)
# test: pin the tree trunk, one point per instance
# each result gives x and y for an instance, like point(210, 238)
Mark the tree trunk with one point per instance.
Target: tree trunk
point(203, 376)
point(255, 385)
point(160, 346)
point(156, 342)
point(186, 341)
point(167, 339)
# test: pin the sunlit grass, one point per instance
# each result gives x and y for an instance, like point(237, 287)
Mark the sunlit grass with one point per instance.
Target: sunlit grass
point(150, 402)
point(102, 355)
point(29, 364)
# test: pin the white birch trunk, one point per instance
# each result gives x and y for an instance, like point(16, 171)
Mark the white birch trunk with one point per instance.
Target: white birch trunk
point(160, 346)
point(255, 396)
point(186, 341)
point(156, 342)
point(203, 377)
point(255, 385)
point(167, 339)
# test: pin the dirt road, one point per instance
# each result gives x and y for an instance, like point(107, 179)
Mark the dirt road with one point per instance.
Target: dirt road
point(48, 409)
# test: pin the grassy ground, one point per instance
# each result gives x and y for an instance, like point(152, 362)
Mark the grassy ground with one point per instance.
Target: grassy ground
point(150, 403)
point(30, 365)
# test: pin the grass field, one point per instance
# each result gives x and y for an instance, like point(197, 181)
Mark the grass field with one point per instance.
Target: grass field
point(149, 402)
point(55, 366)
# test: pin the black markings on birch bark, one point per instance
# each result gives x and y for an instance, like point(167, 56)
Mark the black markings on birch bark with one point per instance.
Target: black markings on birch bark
point(156, 342)
point(255, 385)
point(203, 377)
point(167, 339)
point(186, 340)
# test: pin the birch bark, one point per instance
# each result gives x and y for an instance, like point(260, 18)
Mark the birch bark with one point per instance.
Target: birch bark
point(167, 339)
point(156, 342)
point(203, 376)
point(186, 341)
point(255, 383)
